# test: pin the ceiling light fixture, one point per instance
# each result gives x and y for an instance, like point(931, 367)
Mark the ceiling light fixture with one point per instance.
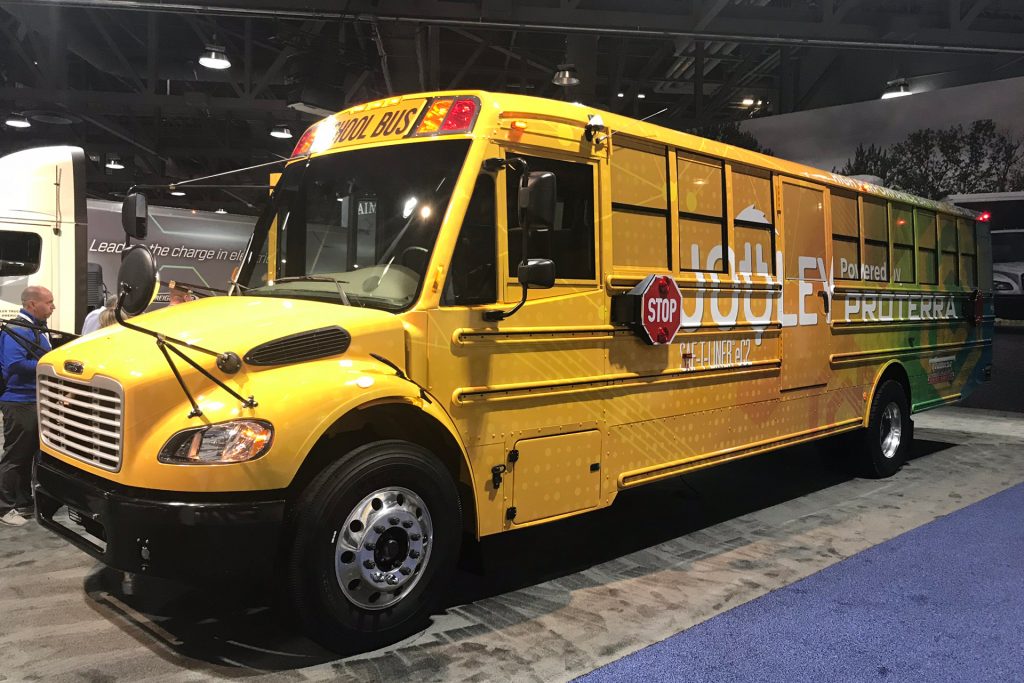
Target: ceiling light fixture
point(565, 75)
point(281, 131)
point(17, 121)
point(747, 102)
point(177, 193)
point(114, 163)
point(897, 88)
point(214, 57)
point(641, 96)
point(220, 211)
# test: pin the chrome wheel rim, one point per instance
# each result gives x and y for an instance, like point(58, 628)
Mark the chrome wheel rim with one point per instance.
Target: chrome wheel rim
point(381, 551)
point(891, 430)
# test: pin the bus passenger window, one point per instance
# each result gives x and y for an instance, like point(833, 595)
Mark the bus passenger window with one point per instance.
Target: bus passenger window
point(902, 243)
point(876, 241)
point(845, 236)
point(473, 274)
point(640, 237)
point(702, 233)
point(752, 218)
point(968, 253)
point(927, 248)
point(570, 244)
point(948, 271)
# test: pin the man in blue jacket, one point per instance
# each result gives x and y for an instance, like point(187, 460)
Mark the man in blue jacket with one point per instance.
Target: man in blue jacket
point(18, 403)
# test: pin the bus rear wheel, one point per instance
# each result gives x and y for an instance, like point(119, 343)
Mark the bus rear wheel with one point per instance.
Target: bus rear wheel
point(376, 537)
point(882, 447)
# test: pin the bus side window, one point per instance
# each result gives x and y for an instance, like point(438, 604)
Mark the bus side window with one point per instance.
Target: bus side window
point(876, 240)
point(948, 267)
point(902, 225)
point(570, 244)
point(753, 218)
point(702, 232)
point(845, 236)
point(968, 253)
point(473, 274)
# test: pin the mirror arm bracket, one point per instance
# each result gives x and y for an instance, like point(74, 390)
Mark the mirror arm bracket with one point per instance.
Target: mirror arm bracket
point(498, 316)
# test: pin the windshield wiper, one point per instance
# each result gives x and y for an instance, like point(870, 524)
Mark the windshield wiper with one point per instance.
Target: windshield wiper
point(319, 278)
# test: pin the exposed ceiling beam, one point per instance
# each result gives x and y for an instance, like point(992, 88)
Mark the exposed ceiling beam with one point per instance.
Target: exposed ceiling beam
point(757, 25)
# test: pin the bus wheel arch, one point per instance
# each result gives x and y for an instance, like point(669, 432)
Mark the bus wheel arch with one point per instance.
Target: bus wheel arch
point(893, 370)
point(384, 420)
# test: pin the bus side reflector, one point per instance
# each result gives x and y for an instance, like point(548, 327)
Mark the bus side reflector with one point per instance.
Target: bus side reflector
point(985, 217)
point(519, 125)
point(460, 116)
point(434, 118)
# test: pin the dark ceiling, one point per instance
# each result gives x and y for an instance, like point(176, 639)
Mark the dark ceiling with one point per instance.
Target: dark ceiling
point(121, 77)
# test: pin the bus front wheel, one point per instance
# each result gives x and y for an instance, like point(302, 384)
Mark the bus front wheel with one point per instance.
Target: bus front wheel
point(376, 536)
point(882, 447)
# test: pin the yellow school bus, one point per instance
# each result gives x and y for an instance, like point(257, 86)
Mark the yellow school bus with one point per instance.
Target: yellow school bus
point(469, 313)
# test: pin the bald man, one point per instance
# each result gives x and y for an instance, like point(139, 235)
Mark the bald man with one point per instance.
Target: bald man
point(18, 403)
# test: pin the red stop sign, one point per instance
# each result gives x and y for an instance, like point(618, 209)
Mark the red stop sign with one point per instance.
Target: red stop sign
point(661, 309)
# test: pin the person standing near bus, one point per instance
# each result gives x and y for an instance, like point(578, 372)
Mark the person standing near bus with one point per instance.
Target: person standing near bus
point(18, 360)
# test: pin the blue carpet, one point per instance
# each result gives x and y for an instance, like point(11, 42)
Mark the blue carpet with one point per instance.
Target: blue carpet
point(944, 602)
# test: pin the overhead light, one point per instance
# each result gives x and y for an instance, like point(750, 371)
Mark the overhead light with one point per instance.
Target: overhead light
point(641, 96)
point(897, 88)
point(747, 102)
point(114, 163)
point(282, 131)
point(214, 57)
point(565, 75)
point(621, 94)
point(177, 193)
point(17, 121)
point(220, 211)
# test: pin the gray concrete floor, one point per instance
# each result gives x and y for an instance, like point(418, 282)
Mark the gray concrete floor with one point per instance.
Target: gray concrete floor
point(545, 604)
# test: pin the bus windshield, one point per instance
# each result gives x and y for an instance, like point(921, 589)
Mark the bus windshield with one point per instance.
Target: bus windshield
point(355, 227)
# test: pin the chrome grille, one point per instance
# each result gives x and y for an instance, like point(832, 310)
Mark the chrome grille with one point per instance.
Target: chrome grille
point(81, 419)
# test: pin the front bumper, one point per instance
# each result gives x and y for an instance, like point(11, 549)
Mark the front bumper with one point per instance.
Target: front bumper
point(169, 534)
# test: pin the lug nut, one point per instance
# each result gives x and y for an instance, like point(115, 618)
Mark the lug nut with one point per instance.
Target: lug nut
point(369, 564)
point(392, 579)
point(378, 577)
point(405, 570)
point(406, 525)
point(379, 528)
point(393, 521)
point(370, 546)
point(414, 554)
point(414, 537)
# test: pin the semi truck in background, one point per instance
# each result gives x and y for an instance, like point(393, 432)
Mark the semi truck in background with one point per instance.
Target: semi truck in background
point(52, 235)
point(1004, 212)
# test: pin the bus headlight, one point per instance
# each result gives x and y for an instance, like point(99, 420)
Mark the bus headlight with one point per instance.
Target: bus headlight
point(226, 442)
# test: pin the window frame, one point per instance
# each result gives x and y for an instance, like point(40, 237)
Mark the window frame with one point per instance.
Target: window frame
point(856, 240)
point(724, 219)
point(734, 222)
point(509, 289)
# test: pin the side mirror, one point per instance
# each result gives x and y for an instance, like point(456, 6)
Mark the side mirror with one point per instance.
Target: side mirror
point(537, 273)
point(136, 280)
point(537, 199)
point(135, 215)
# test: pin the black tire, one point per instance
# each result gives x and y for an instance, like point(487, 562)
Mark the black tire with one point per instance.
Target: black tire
point(328, 588)
point(881, 449)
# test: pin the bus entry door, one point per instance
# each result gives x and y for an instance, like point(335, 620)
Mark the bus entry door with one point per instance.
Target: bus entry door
point(806, 296)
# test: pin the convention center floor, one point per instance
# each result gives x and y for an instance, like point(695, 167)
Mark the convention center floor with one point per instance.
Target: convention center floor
point(547, 604)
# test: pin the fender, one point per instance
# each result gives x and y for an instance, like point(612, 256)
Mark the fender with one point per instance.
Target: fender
point(387, 388)
point(874, 388)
